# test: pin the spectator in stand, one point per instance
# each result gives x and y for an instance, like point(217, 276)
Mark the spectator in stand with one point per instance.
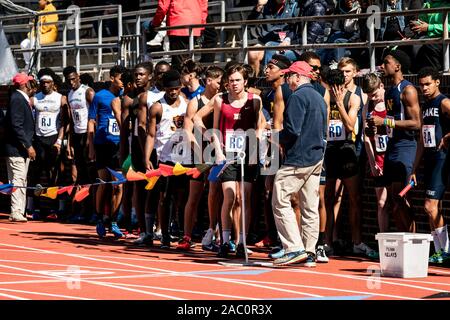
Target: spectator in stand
point(47, 33)
point(273, 34)
point(343, 31)
point(316, 29)
point(179, 13)
point(430, 26)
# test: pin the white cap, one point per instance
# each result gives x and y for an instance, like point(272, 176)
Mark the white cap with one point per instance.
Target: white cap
point(46, 77)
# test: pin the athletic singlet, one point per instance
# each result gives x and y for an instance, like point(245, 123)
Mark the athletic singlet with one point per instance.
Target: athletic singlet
point(100, 110)
point(190, 95)
point(79, 108)
point(47, 113)
point(359, 143)
point(380, 139)
point(435, 124)
point(395, 109)
point(172, 119)
point(337, 134)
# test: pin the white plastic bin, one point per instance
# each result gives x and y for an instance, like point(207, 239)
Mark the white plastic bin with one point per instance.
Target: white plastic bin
point(404, 254)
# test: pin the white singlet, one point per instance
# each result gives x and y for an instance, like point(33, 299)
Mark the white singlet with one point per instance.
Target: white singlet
point(47, 108)
point(79, 108)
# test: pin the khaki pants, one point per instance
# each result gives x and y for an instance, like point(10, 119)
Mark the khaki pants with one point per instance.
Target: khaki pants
point(306, 181)
point(17, 175)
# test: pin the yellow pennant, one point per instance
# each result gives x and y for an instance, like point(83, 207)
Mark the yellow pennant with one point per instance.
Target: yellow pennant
point(51, 193)
point(178, 169)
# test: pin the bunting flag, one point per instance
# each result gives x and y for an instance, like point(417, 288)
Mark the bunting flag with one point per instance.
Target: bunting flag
point(81, 194)
point(135, 176)
point(203, 167)
point(7, 188)
point(151, 182)
point(51, 193)
point(153, 173)
point(166, 170)
point(38, 190)
point(126, 164)
point(120, 178)
point(194, 172)
point(179, 169)
point(215, 172)
point(67, 189)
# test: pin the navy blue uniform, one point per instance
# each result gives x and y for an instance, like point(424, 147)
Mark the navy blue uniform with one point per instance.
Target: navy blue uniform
point(402, 145)
point(435, 126)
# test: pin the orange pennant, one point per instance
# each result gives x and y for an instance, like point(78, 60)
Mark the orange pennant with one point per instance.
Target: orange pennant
point(134, 176)
point(166, 170)
point(151, 182)
point(194, 172)
point(81, 194)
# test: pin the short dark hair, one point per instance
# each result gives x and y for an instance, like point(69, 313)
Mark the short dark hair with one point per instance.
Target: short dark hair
point(308, 56)
point(401, 57)
point(190, 66)
point(145, 65)
point(127, 77)
point(213, 72)
point(68, 70)
point(428, 71)
point(116, 70)
point(238, 68)
point(335, 77)
point(370, 83)
point(87, 79)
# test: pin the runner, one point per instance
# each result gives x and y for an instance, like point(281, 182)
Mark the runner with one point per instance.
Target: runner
point(435, 126)
point(191, 72)
point(104, 138)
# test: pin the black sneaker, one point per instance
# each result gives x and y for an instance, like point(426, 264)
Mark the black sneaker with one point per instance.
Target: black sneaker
point(165, 242)
point(224, 250)
point(240, 252)
point(310, 262)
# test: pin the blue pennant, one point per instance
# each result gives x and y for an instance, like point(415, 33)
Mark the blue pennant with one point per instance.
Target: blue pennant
point(6, 188)
point(215, 172)
point(121, 179)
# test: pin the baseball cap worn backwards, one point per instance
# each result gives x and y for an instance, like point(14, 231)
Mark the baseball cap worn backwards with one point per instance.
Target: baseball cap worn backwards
point(300, 67)
point(21, 79)
point(280, 61)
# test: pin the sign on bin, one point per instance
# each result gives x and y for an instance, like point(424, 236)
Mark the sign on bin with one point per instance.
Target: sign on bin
point(403, 254)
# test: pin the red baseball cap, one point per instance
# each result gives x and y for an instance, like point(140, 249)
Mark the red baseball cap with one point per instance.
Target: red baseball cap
point(300, 67)
point(21, 78)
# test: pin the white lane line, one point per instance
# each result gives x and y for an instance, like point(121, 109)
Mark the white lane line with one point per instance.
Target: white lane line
point(12, 297)
point(334, 289)
point(69, 279)
point(168, 271)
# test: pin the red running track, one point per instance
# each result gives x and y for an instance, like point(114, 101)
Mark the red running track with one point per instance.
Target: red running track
point(49, 260)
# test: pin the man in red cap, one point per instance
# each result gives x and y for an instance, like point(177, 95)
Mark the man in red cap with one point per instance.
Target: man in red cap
point(19, 149)
point(304, 146)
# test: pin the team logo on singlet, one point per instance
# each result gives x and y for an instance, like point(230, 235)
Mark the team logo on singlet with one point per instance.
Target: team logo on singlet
point(389, 104)
point(237, 116)
point(178, 122)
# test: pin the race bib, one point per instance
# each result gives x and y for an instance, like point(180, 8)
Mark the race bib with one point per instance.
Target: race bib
point(113, 127)
point(381, 142)
point(47, 120)
point(336, 131)
point(235, 141)
point(429, 136)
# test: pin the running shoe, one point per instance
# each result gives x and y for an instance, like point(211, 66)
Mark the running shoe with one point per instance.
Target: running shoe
point(100, 228)
point(232, 246)
point(321, 255)
point(115, 230)
point(208, 238)
point(165, 242)
point(364, 249)
point(277, 253)
point(144, 239)
point(224, 250)
point(291, 258)
point(436, 258)
point(266, 242)
point(240, 252)
point(310, 261)
point(185, 244)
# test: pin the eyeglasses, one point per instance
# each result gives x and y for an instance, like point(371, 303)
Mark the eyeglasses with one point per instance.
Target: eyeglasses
point(316, 68)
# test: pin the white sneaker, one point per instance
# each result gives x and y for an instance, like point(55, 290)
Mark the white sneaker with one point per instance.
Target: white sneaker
point(17, 217)
point(157, 40)
point(207, 239)
point(321, 256)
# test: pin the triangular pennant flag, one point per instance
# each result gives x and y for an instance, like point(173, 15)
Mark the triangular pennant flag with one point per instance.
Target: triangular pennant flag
point(151, 182)
point(179, 169)
point(81, 194)
point(166, 170)
point(216, 170)
point(135, 176)
point(51, 193)
point(153, 173)
point(38, 190)
point(194, 172)
point(120, 178)
point(67, 189)
point(126, 164)
point(7, 188)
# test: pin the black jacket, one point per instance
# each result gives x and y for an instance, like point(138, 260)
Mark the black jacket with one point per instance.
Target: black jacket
point(19, 126)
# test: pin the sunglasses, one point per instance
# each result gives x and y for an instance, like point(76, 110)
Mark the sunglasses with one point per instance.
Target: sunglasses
point(316, 68)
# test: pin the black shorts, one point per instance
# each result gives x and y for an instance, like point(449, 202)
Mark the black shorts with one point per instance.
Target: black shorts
point(233, 173)
point(107, 155)
point(171, 183)
point(137, 158)
point(79, 144)
point(436, 175)
point(341, 161)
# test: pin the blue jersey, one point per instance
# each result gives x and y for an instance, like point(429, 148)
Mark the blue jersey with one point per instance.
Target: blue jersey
point(100, 110)
point(435, 126)
point(190, 95)
point(395, 109)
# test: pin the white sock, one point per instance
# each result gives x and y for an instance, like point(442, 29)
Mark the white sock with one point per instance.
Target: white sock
point(437, 245)
point(226, 235)
point(442, 234)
